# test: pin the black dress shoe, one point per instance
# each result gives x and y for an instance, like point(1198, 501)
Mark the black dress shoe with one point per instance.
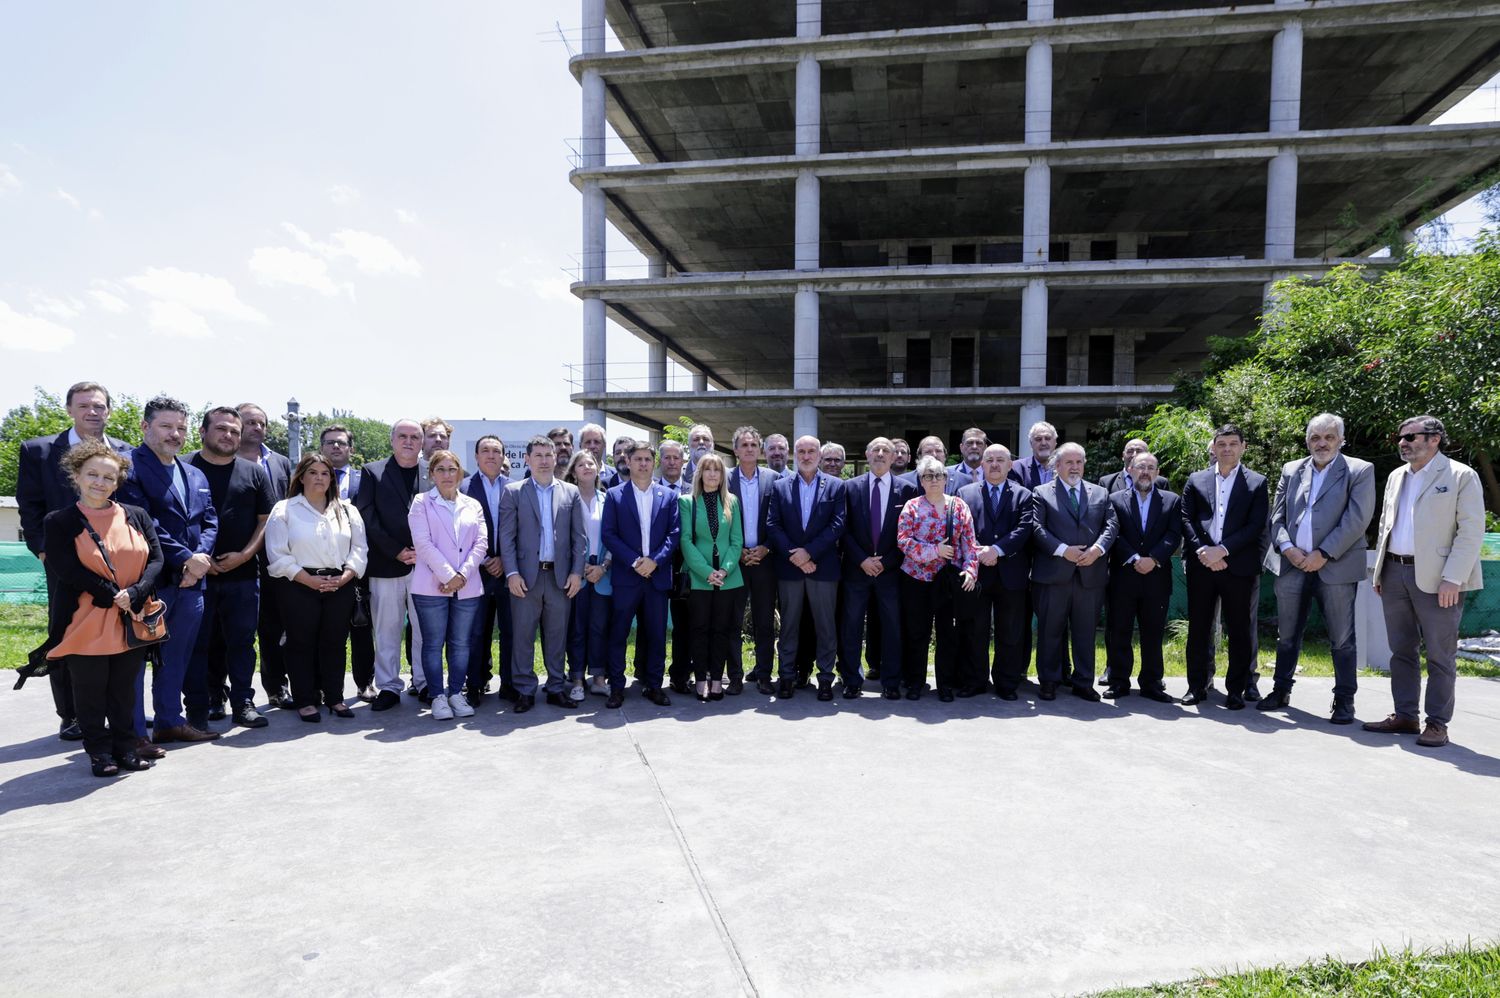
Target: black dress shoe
point(852, 692)
point(385, 700)
point(414, 691)
point(616, 700)
point(1115, 692)
point(1194, 697)
point(804, 680)
point(764, 688)
point(680, 687)
point(216, 711)
point(69, 731)
point(1007, 694)
point(1086, 693)
point(508, 694)
point(1159, 695)
point(872, 673)
point(475, 697)
point(735, 687)
point(523, 703)
point(1252, 693)
point(561, 700)
point(1234, 701)
point(424, 697)
point(1277, 699)
point(134, 763)
point(945, 694)
point(1048, 692)
point(913, 694)
point(282, 699)
point(657, 696)
point(891, 694)
point(246, 716)
point(1343, 710)
point(825, 689)
point(784, 689)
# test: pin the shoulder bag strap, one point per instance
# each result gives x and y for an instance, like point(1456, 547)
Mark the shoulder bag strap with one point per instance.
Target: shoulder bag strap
point(99, 542)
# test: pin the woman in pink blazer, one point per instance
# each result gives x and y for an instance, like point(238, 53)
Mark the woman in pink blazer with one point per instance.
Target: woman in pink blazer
point(450, 538)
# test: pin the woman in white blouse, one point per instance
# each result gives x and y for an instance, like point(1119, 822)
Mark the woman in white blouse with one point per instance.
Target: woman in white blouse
point(315, 546)
point(588, 624)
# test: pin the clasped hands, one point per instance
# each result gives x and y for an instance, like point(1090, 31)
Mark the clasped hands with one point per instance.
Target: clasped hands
point(1082, 556)
point(801, 559)
point(1214, 558)
point(1306, 561)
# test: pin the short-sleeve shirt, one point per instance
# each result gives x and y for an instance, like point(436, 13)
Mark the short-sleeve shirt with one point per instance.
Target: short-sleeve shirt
point(241, 492)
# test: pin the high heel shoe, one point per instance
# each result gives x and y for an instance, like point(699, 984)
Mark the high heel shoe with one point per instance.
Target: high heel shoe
point(103, 765)
point(716, 690)
point(314, 718)
point(134, 763)
point(703, 695)
point(340, 710)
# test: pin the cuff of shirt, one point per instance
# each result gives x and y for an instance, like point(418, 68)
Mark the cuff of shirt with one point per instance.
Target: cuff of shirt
point(1059, 552)
point(1132, 559)
point(1288, 544)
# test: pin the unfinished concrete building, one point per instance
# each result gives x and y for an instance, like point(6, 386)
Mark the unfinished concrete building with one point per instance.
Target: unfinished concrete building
point(869, 216)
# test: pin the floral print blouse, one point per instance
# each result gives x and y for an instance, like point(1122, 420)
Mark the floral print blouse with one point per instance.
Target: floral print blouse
point(923, 527)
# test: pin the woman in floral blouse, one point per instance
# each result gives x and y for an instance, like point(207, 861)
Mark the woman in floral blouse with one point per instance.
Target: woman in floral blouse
point(936, 534)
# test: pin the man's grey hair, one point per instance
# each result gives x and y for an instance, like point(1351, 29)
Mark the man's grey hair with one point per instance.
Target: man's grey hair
point(831, 446)
point(1041, 426)
point(671, 443)
point(591, 428)
point(1064, 448)
point(1325, 421)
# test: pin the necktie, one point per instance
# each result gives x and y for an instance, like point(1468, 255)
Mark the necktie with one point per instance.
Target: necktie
point(1073, 500)
point(874, 514)
point(992, 507)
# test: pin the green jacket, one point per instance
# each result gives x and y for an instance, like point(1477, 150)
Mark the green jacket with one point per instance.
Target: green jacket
point(698, 544)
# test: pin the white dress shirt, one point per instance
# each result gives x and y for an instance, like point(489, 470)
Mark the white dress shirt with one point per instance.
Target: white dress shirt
point(1223, 485)
point(1143, 509)
point(1403, 531)
point(643, 512)
point(544, 511)
point(493, 490)
point(1082, 497)
point(298, 537)
point(882, 486)
point(750, 505)
point(593, 517)
point(1304, 522)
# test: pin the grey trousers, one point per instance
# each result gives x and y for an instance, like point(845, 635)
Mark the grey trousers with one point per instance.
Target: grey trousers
point(545, 605)
point(822, 597)
point(1413, 617)
point(390, 608)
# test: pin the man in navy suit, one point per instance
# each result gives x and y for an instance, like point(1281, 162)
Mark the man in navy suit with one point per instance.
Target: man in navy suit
point(1033, 471)
point(1140, 579)
point(640, 527)
point(872, 567)
point(177, 497)
point(1226, 531)
point(752, 485)
point(336, 443)
point(805, 526)
point(41, 487)
point(958, 475)
point(487, 487)
point(1002, 529)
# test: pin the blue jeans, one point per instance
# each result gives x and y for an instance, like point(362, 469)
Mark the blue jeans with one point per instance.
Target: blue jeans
point(234, 605)
point(1295, 592)
point(173, 674)
point(446, 622)
point(588, 634)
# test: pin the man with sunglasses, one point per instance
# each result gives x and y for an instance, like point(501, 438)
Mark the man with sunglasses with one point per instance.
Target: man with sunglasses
point(1426, 558)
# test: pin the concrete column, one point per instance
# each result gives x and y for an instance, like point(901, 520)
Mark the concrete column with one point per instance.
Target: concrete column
point(1034, 334)
point(1286, 79)
point(1038, 10)
point(1036, 213)
point(700, 381)
point(592, 150)
point(805, 339)
point(809, 18)
point(807, 213)
point(1033, 413)
point(1039, 92)
point(942, 360)
point(1124, 368)
point(593, 356)
point(1281, 207)
point(1078, 356)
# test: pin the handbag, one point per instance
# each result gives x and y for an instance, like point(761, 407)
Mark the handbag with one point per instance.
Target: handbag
point(360, 615)
point(148, 626)
point(946, 578)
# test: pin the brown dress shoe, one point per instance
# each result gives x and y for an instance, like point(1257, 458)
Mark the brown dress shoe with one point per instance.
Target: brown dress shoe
point(1395, 724)
point(145, 750)
point(1435, 735)
point(182, 733)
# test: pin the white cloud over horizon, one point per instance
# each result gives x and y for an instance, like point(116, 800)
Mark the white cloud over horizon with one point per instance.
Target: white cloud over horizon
point(174, 319)
point(61, 309)
point(108, 301)
point(9, 182)
point(31, 333)
point(342, 194)
point(198, 293)
point(371, 253)
point(274, 265)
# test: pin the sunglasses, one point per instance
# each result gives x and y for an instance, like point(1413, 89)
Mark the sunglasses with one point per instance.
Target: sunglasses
point(1407, 438)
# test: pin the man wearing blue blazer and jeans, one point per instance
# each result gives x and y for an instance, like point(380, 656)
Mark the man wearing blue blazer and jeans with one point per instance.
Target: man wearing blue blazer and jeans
point(805, 525)
point(640, 527)
point(176, 496)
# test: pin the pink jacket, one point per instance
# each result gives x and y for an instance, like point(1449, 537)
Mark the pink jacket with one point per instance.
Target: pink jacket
point(439, 556)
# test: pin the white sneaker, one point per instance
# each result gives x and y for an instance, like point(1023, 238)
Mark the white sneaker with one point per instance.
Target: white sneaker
point(599, 686)
point(576, 694)
point(460, 705)
point(440, 709)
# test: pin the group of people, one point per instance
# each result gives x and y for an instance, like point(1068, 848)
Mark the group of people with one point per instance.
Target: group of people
point(231, 544)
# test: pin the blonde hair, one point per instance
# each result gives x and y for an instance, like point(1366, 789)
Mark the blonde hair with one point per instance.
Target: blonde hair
point(726, 498)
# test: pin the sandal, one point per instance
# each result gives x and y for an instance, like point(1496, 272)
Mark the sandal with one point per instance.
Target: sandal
point(103, 765)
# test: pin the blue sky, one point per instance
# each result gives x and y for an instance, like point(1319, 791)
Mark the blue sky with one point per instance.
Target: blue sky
point(363, 205)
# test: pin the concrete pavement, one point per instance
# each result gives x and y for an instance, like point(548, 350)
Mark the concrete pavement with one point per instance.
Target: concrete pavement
point(748, 846)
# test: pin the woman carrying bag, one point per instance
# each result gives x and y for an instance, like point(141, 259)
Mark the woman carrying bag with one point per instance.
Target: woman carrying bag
point(936, 535)
point(588, 620)
point(711, 541)
point(106, 560)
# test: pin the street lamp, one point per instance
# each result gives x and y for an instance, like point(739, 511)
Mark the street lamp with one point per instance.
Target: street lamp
point(293, 430)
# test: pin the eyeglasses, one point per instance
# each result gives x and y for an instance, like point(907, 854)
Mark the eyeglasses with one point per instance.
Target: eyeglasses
point(933, 476)
point(1407, 438)
point(335, 443)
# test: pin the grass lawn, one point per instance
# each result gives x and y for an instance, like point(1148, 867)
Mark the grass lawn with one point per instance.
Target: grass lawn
point(1468, 971)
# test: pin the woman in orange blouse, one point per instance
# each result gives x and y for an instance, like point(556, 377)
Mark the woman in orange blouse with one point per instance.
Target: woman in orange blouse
point(936, 535)
point(98, 581)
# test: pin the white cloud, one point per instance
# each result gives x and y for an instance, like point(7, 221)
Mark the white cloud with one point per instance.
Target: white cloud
point(195, 292)
point(172, 318)
point(342, 194)
point(273, 265)
point(29, 332)
point(68, 199)
point(60, 309)
point(406, 217)
point(371, 253)
point(551, 288)
point(111, 303)
point(9, 182)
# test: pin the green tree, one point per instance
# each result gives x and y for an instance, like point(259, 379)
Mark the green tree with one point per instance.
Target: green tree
point(371, 437)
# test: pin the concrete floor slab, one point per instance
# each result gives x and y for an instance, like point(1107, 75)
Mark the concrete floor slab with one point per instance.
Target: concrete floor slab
point(748, 846)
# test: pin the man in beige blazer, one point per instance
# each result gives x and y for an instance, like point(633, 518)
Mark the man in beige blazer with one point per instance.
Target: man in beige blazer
point(1426, 557)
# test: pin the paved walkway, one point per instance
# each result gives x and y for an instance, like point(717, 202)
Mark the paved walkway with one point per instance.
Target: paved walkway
point(747, 846)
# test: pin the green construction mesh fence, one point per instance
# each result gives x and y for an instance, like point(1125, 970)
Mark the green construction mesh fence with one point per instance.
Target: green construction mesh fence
point(21, 577)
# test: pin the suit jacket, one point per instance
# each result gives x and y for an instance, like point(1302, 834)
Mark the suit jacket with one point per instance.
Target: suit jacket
point(1159, 541)
point(41, 486)
point(699, 544)
point(1027, 471)
point(620, 530)
point(474, 489)
point(1449, 528)
point(441, 555)
point(383, 503)
point(1054, 523)
point(825, 526)
point(1246, 519)
point(1118, 481)
point(182, 531)
point(521, 532)
point(351, 489)
point(765, 480)
point(1010, 531)
point(856, 539)
point(1340, 516)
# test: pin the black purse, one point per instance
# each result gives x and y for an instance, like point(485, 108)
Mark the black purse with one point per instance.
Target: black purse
point(946, 578)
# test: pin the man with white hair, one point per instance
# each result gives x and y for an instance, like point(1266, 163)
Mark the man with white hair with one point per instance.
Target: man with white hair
point(832, 459)
point(1033, 471)
point(1074, 526)
point(700, 442)
point(591, 439)
point(1323, 504)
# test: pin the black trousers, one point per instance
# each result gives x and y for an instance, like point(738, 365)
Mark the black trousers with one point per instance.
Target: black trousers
point(362, 641)
point(269, 632)
point(713, 628)
point(681, 660)
point(925, 610)
point(1002, 614)
point(1136, 599)
point(57, 676)
point(494, 615)
point(1234, 596)
point(103, 691)
point(760, 589)
point(317, 630)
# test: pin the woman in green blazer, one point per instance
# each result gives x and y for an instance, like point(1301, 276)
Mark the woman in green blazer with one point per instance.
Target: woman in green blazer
point(711, 539)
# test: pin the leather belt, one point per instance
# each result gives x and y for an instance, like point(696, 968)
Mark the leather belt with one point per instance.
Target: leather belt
point(1401, 559)
point(546, 566)
point(324, 571)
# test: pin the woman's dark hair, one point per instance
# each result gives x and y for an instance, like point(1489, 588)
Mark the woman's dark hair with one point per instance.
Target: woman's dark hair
point(294, 486)
point(76, 457)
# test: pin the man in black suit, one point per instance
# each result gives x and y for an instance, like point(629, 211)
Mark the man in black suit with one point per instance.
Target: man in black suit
point(487, 486)
point(253, 425)
point(1120, 481)
point(386, 488)
point(41, 487)
point(1226, 530)
point(1074, 527)
point(751, 485)
point(1140, 580)
point(1002, 529)
point(872, 567)
point(336, 443)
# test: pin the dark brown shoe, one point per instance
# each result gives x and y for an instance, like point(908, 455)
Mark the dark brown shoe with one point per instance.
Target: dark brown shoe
point(1435, 735)
point(1395, 724)
point(182, 733)
point(145, 750)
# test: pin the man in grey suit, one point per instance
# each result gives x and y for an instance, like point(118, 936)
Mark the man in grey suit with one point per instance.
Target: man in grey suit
point(543, 545)
point(1323, 504)
point(1074, 525)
